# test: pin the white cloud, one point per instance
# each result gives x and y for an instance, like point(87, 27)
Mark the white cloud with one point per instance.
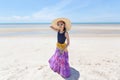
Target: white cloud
point(46, 14)
point(21, 17)
point(51, 12)
point(14, 18)
point(100, 18)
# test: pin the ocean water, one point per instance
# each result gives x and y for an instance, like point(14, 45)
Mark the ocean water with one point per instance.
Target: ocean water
point(44, 29)
point(23, 25)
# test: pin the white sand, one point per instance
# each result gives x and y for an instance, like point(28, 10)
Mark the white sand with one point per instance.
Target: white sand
point(91, 58)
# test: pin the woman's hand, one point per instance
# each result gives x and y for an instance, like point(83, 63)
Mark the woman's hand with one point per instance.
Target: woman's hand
point(54, 28)
point(51, 27)
point(61, 51)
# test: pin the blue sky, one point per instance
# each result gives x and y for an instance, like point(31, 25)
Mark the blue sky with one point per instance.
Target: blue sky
point(47, 10)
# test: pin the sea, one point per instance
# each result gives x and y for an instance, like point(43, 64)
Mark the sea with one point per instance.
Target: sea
point(28, 29)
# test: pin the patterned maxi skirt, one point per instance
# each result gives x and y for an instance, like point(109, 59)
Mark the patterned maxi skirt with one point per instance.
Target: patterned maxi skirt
point(59, 63)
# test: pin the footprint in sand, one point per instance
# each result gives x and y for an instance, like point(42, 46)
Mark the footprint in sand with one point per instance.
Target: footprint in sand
point(36, 50)
point(41, 67)
point(89, 64)
point(101, 74)
point(97, 64)
point(106, 60)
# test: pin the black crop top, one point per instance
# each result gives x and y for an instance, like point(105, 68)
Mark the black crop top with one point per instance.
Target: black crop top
point(61, 37)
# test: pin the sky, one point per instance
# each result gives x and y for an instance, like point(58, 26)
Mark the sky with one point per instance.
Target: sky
point(39, 11)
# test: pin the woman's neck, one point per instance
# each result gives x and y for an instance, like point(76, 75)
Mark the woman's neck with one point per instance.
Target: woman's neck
point(61, 30)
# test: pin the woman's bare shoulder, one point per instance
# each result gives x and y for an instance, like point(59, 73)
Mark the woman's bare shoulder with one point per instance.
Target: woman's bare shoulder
point(66, 34)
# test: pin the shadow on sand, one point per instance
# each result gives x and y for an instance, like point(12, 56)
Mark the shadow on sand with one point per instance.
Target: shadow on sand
point(74, 74)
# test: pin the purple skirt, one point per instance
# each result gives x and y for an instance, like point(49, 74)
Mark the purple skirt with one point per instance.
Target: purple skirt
point(59, 63)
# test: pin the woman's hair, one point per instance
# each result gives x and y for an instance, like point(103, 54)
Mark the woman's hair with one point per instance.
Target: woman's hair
point(64, 29)
point(64, 25)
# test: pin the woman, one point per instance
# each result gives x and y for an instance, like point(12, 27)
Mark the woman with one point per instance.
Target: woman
point(59, 61)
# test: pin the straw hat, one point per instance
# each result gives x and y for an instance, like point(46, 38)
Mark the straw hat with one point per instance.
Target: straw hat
point(67, 23)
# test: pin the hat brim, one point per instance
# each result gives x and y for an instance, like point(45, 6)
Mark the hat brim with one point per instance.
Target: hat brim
point(67, 23)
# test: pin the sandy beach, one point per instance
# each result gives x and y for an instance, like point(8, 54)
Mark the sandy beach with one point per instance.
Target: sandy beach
point(90, 58)
point(33, 36)
point(93, 52)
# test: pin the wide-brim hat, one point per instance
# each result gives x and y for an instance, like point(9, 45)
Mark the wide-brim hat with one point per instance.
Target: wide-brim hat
point(67, 23)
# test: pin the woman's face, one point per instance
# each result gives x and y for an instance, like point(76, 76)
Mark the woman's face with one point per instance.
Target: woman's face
point(61, 24)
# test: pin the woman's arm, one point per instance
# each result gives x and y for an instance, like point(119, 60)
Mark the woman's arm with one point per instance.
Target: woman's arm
point(68, 39)
point(54, 28)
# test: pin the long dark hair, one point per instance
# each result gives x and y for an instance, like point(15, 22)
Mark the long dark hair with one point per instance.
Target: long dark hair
point(64, 29)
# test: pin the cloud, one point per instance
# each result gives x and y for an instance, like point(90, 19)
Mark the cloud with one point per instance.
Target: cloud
point(51, 12)
point(21, 17)
point(14, 18)
point(76, 10)
point(100, 18)
point(46, 14)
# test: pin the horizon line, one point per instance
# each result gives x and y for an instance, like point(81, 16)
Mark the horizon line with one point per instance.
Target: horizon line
point(50, 23)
